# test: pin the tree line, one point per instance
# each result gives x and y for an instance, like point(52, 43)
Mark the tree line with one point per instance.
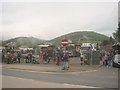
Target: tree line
point(113, 39)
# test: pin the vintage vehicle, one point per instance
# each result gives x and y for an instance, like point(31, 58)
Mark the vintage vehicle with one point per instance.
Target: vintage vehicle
point(85, 48)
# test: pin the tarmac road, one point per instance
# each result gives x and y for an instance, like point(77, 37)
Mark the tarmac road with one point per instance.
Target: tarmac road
point(104, 77)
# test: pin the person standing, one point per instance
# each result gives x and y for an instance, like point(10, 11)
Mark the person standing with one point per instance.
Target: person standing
point(18, 57)
point(103, 57)
point(82, 59)
point(15, 57)
point(45, 57)
point(8, 57)
point(65, 59)
point(30, 56)
point(49, 55)
point(3, 55)
point(27, 57)
point(106, 59)
point(58, 57)
point(109, 55)
point(41, 56)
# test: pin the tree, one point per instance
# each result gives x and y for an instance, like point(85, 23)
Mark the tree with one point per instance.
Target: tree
point(116, 34)
point(105, 42)
point(111, 40)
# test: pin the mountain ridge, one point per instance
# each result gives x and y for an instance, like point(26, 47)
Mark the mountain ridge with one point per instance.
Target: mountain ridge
point(76, 37)
point(28, 41)
point(81, 36)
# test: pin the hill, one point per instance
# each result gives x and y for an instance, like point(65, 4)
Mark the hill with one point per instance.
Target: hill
point(76, 37)
point(80, 37)
point(24, 41)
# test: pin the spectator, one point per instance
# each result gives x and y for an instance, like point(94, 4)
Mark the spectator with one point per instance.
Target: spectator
point(49, 55)
point(41, 56)
point(8, 57)
point(15, 57)
point(3, 55)
point(103, 57)
point(27, 58)
point(65, 59)
point(19, 57)
point(109, 57)
point(106, 59)
point(82, 59)
point(58, 57)
point(30, 56)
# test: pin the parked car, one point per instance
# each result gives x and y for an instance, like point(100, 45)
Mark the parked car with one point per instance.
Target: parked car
point(116, 61)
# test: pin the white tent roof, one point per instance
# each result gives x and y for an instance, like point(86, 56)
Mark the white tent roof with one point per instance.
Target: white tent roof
point(44, 45)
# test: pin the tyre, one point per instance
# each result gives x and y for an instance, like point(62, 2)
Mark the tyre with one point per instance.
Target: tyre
point(114, 65)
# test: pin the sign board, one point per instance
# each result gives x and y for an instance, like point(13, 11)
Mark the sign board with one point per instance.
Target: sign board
point(64, 42)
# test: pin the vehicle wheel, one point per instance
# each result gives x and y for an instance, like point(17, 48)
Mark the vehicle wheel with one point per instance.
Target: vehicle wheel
point(114, 64)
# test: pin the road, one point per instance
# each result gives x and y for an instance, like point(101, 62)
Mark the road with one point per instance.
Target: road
point(104, 77)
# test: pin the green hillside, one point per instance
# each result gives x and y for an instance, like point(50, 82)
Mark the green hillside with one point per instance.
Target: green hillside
point(80, 37)
point(25, 41)
point(76, 37)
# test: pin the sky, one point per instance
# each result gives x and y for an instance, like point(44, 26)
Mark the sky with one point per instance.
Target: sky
point(48, 20)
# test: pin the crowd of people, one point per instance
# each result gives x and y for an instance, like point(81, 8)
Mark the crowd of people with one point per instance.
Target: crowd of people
point(106, 57)
point(58, 56)
point(11, 55)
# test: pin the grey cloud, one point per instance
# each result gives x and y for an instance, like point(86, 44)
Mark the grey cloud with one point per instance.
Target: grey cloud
point(49, 20)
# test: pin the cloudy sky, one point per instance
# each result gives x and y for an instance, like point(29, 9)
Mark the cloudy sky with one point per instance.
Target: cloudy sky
point(47, 20)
